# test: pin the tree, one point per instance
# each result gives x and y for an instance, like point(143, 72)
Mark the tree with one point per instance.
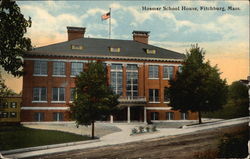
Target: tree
point(198, 88)
point(238, 99)
point(94, 98)
point(13, 44)
point(4, 90)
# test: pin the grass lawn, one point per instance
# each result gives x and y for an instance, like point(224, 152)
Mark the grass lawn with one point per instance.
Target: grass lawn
point(14, 137)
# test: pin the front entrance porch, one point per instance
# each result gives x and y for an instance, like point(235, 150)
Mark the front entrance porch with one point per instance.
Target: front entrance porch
point(131, 109)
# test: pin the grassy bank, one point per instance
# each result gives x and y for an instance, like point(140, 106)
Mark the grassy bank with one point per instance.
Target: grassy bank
point(14, 137)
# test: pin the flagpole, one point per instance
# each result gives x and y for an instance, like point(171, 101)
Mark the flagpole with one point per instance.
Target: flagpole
point(110, 23)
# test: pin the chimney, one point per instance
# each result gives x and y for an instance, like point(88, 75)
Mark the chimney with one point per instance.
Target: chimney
point(75, 32)
point(141, 36)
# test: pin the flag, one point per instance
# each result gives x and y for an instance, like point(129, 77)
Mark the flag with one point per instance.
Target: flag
point(106, 16)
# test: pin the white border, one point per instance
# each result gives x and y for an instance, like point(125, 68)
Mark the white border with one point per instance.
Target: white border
point(45, 108)
point(158, 108)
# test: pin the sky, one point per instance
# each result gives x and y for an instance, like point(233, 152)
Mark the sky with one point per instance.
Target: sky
point(224, 35)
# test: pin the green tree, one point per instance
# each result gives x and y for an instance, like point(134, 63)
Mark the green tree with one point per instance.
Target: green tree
point(4, 90)
point(198, 88)
point(13, 44)
point(238, 99)
point(237, 103)
point(94, 98)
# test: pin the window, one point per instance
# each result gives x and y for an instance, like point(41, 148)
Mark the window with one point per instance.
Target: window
point(12, 114)
point(58, 68)
point(170, 116)
point(154, 116)
point(76, 68)
point(180, 69)
point(39, 116)
point(166, 95)
point(116, 78)
point(58, 116)
point(39, 94)
point(76, 47)
point(72, 94)
point(4, 114)
point(4, 104)
point(40, 67)
point(13, 105)
point(150, 51)
point(153, 95)
point(153, 71)
point(168, 72)
point(132, 80)
point(114, 49)
point(58, 94)
point(184, 116)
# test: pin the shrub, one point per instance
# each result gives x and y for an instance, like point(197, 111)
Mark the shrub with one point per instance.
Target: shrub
point(154, 128)
point(147, 129)
point(141, 128)
point(134, 131)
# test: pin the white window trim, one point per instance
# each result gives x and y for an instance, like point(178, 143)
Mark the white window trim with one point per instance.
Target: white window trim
point(40, 94)
point(34, 101)
point(58, 75)
point(58, 101)
point(154, 102)
point(44, 108)
point(166, 78)
point(153, 78)
point(132, 83)
point(58, 95)
point(40, 75)
point(166, 102)
point(154, 97)
point(168, 113)
point(153, 72)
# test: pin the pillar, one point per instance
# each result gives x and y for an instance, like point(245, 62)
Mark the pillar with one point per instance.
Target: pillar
point(145, 115)
point(111, 119)
point(128, 114)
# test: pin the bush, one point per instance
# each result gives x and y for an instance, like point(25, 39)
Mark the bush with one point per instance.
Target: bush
point(141, 128)
point(134, 131)
point(154, 128)
point(147, 129)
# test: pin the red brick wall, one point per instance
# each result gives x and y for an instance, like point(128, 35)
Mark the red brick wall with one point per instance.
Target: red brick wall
point(144, 84)
point(29, 115)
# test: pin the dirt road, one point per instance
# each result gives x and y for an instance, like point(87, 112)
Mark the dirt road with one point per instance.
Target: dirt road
point(181, 146)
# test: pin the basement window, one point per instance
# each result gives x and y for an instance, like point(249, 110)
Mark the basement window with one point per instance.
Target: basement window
point(76, 47)
point(150, 51)
point(114, 49)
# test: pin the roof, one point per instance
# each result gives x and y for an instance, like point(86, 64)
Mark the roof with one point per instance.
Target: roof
point(96, 47)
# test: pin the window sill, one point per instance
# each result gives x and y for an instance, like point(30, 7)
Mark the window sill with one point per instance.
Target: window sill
point(154, 102)
point(153, 78)
point(70, 102)
point(73, 75)
point(166, 102)
point(58, 75)
point(166, 78)
point(40, 75)
point(58, 101)
point(39, 101)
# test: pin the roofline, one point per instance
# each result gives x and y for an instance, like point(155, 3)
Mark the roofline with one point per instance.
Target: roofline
point(112, 57)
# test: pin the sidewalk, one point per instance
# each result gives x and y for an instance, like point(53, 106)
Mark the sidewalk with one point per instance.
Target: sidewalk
point(124, 137)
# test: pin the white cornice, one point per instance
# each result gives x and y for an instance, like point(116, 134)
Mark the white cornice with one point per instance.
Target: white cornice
point(45, 108)
point(158, 108)
point(111, 57)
